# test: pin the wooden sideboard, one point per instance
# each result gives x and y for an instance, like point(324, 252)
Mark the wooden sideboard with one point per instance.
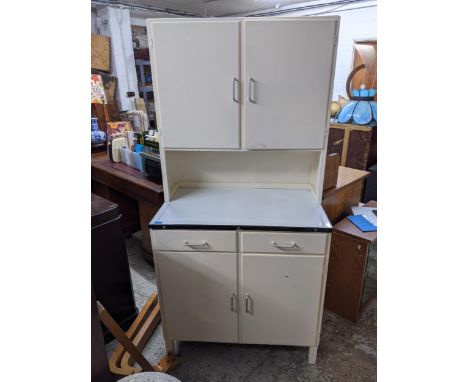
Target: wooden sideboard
point(138, 197)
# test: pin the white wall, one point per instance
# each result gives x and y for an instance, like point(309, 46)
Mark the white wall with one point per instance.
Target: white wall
point(356, 25)
point(94, 28)
point(139, 18)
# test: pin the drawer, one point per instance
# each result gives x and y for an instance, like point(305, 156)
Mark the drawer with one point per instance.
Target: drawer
point(193, 240)
point(284, 242)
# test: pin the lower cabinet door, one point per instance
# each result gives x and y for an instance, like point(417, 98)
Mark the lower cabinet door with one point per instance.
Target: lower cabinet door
point(280, 298)
point(199, 295)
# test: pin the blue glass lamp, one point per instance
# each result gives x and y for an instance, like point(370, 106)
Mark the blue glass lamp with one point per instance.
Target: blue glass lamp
point(361, 110)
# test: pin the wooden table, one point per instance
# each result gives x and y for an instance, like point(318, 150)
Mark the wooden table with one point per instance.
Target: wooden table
point(349, 251)
point(337, 201)
point(138, 197)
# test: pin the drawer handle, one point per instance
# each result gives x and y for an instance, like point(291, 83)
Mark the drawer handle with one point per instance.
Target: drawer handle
point(291, 244)
point(199, 244)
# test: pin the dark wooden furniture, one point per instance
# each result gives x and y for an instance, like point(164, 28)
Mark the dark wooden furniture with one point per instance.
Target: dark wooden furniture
point(347, 268)
point(99, 365)
point(110, 273)
point(138, 197)
point(357, 145)
point(370, 187)
point(332, 166)
point(337, 201)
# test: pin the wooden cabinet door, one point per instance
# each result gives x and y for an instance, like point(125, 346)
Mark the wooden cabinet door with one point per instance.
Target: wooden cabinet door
point(281, 298)
point(198, 295)
point(287, 82)
point(195, 68)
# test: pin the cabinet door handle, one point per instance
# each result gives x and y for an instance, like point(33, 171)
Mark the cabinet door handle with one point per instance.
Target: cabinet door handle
point(248, 307)
point(251, 90)
point(233, 302)
point(291, 244)
point(199, 244)
point(235, 89)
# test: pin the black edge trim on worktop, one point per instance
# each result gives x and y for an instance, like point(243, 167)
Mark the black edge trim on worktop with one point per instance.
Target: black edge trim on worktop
point(242, 227)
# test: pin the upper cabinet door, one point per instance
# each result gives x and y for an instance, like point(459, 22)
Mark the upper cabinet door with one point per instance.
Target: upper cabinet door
point(289, 66)
point(196, 79)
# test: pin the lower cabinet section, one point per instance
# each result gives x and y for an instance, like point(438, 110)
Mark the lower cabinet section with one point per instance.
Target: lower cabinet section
point(199, 290)
point(281, 296)
point(271, 298)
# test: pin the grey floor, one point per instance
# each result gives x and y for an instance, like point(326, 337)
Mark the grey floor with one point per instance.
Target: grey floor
point(347, 351)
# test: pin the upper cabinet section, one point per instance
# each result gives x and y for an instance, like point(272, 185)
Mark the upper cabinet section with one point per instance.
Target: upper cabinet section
point(243, 83)
point(197, 67)
point(287, 80)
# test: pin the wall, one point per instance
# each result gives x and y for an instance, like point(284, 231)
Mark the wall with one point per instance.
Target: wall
point(139, 18)
point(94, 28)
point(356, 25)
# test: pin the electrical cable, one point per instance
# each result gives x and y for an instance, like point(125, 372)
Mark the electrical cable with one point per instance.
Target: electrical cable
point(343, 10)
point(306, 7)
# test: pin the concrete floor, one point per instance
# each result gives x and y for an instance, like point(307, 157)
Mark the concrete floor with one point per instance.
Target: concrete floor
point(347, 351)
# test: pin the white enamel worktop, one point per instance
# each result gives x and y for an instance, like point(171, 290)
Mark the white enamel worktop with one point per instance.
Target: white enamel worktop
point(242, 207)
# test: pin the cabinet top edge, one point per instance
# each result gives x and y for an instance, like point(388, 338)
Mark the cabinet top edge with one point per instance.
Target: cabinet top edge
point(236, 19)
point(238, 227)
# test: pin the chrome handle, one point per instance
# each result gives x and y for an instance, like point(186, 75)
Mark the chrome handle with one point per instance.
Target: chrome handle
point(233, 302)
point(202, 244)
point(291, 244)
point(251, 90)
point(235, 88)
point(247, 308)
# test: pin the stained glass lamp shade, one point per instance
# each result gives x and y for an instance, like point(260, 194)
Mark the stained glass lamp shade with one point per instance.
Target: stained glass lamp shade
point(361, 110)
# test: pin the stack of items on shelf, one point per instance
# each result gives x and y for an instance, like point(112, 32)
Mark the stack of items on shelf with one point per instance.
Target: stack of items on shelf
point(103, 91)
point(132, 147)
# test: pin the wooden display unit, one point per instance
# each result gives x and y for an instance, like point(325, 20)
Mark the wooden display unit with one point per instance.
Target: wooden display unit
point(241, 243)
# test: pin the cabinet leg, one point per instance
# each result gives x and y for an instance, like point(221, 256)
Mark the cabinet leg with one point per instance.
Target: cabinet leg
point(170, 345)
point(313, 354)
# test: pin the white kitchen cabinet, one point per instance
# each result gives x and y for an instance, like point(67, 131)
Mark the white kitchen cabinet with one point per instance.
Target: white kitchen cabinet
point(241, 244)
point(281, 298)
point(280, 102)
point(197, 83)
point(288, 72)
point(199, 295)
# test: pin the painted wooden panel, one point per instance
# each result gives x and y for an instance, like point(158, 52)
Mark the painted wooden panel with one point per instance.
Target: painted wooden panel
point(194, 240)
point(288, 71)
point(196, 67)
point(284, 242)
point(281, 298)
point(197, 289)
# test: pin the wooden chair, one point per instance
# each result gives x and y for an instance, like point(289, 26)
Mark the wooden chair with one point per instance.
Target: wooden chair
point(131, 344)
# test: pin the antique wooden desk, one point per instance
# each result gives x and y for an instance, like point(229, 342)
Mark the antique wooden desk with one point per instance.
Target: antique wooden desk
point(337, 201)
point(137, 196)
point(347, 268)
